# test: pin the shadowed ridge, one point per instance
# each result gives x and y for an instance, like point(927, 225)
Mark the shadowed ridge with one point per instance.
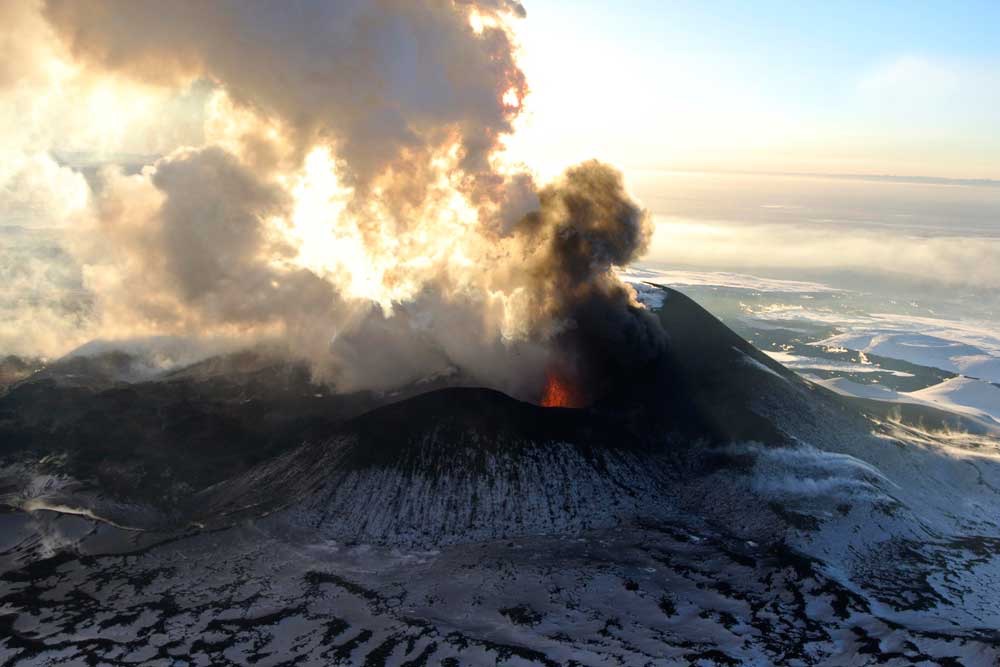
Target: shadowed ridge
point(478, 418)
point(702, 346)
point(709, 382)
point(701, 389)
point(451, 447)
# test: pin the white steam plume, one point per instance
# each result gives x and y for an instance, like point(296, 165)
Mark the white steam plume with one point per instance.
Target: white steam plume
point(345, 191)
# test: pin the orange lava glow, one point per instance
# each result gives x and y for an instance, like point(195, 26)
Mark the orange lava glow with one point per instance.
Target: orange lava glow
point(559, 392)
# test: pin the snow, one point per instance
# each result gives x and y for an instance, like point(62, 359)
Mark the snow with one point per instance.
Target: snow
point(750, 361)
point(951, 353)
point(965, 346)
point(846, 387)
point(798, 362)
point(962, 395)
point(725, 279)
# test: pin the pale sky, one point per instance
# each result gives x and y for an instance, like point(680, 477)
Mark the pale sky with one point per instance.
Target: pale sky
point(903, 88)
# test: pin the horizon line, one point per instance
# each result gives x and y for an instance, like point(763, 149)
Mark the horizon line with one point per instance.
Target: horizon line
point(880, 178)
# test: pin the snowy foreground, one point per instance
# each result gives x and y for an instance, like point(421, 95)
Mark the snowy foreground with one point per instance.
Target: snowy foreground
point(763, 520)
point(657, 594)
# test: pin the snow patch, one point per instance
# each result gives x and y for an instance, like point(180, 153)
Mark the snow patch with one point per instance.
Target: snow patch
point(725, 279)
point(962, 395)
point(798, 362)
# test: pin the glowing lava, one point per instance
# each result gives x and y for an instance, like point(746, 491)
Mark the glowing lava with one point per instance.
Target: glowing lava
point(559, 392)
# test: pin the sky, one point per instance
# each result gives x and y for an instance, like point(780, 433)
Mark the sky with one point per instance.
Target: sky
point(367, 152)
point(891, 87)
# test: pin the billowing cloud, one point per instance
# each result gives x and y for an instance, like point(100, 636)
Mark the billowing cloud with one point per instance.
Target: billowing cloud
point(37, 191)
point(953, 260)
point(327, 176)
point(389, 82)
point(188, 244)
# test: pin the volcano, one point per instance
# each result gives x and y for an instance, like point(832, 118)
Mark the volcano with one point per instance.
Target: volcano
point(714, 508)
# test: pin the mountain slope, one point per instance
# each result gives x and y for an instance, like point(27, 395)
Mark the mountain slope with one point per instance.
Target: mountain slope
point(714, 510)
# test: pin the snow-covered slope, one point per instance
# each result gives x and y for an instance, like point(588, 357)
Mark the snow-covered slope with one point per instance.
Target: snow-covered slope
point(962, 395)
point(969, 355)
point(846, 387)
point(717, 510)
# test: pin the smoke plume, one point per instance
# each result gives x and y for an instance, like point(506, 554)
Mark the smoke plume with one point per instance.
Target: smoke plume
point(346, 194)
point(585, 226)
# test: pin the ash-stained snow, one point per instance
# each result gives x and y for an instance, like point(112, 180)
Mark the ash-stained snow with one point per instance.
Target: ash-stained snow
point(537, 491)
point(667, 593)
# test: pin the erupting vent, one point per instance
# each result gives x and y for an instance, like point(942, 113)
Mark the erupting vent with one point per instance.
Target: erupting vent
point(559, 392)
